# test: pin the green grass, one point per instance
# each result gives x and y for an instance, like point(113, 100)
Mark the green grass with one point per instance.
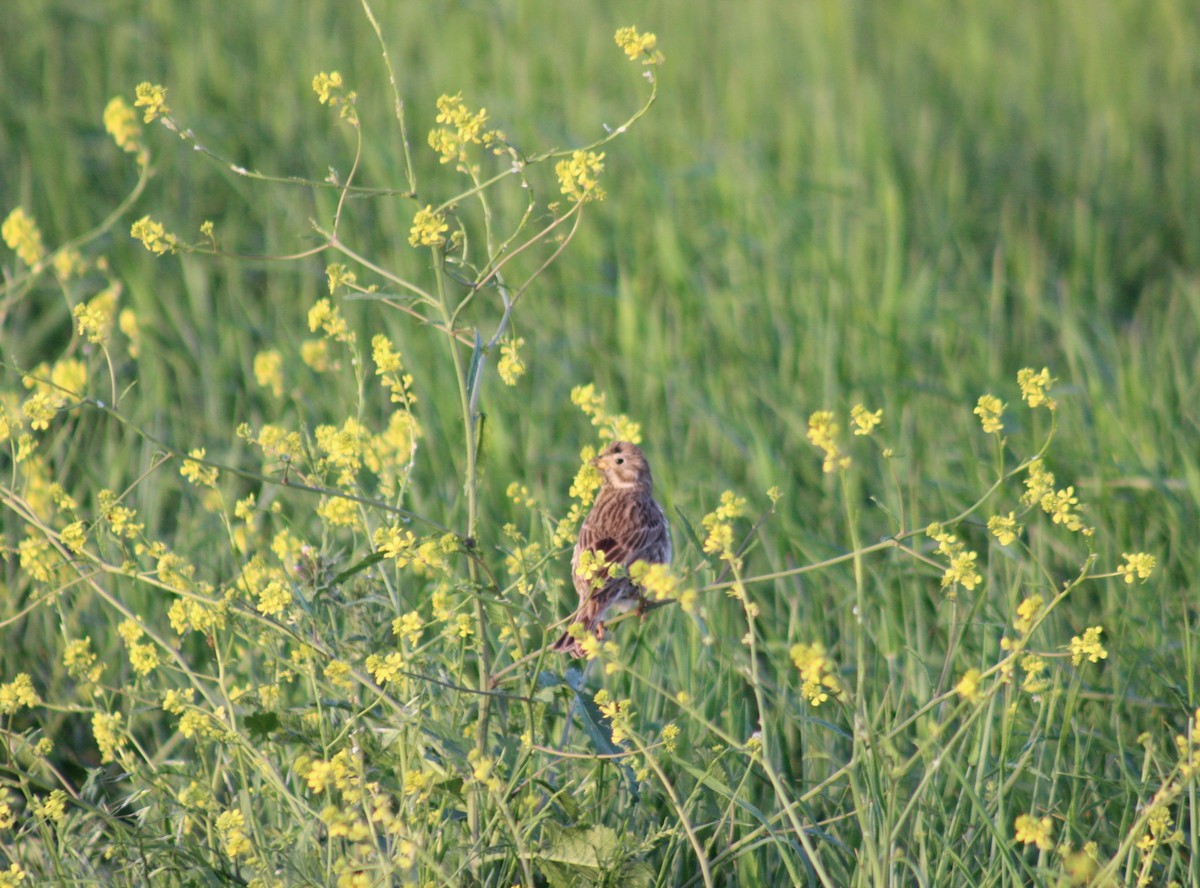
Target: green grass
point(830, 203)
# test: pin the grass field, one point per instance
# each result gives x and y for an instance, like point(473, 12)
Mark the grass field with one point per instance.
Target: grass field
point(314, 654)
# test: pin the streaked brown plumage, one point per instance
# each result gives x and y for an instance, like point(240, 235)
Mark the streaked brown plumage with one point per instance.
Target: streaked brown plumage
point(627, 525)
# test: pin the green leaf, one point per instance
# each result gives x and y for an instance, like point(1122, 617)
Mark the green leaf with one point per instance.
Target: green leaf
point(261, 724)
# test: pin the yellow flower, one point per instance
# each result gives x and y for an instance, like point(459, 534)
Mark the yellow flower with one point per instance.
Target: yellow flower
point(655, 579)
point(268, 370)
point(1061, 506)
point(1034, 387)
point(1088, 646)
point(962, 570)
point(990, 409)
point(1139, 565)
point(613, 426)
point(315, 354)
point(427, 228)
point(1004, 528)
point(325, 84)
point(128, 322)
point(968, 686)
point(231, 826)
point(22, 235)
point(153, 98)
point(80, 660)
point(18, 693)
point(105, 728)
point(338, 674)
point(1034, 666)
point(74, 535)
point(511, 367)
point(670, 733)
point(577, 176)
point(408, 627)
point(1038, 483)
point(273, 599)
point(864, 420)
point(1027, 612)
point(822, 433)
point(153, 236)
point(93, 319)
point(462, 127)
point(198, 473)
point(339, 275)
point(385, 669)
point(1031, 831)
point(122, 124)
point(638, 45)
point(818, 673)
point(54, 808)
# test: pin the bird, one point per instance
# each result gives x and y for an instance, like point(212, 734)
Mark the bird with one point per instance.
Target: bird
point(627, 525)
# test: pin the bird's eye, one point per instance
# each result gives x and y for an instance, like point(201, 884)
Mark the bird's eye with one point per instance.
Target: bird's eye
point(619, 460)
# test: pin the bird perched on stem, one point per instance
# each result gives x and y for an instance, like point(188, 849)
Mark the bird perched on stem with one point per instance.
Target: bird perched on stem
point(625, 525)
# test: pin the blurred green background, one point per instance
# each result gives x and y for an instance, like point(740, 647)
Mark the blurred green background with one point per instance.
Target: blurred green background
point(896, 203)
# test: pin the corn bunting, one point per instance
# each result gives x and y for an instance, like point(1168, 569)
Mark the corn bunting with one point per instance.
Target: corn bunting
point(625, 525)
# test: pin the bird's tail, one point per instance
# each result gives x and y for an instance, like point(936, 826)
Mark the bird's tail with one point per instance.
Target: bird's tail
point(568, 645)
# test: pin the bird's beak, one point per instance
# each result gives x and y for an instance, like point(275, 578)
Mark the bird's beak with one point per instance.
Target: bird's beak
point(600, 462)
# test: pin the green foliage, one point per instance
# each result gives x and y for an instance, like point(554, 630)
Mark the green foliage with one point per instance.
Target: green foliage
point(291, 475)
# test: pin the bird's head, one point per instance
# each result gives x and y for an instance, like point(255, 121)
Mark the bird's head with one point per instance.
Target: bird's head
point(623, 466)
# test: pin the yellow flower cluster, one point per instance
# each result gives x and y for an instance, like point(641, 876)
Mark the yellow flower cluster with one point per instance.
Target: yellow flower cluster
point(106, 729)
point(94, 318)
point(330, 91)
point(823, 434)
point(268, 370)
point(511, 367)
point(408, 628)
point(386, 668)
point(594, 568)
point(618, 712)
point(196, 472)
point(577, 176)
point(1139, 565)
point(1027, 612)
point(1061, 505)
point(80, 661)
point(719, 526)
point(22, 235)
point(1034, 668)
point(818, 673)
point(120, 121)
point(613, 426)
point(1028, 830)
point(389, 367)
point(1088, 646)
point(427, 228)
point(153, 98)
point(1035, 387)
point(326, 317)
point(990, 409)
point(460, 128)
point(18, 693)
point(962, 568)
point(231, 828)
point(865, 420)
point(143, 657)
point(638, 46)
point(656, 579)
point(1005, 528)
point(1159, 830)
point(338, 275)
point(968, 686)
point(153, 236)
